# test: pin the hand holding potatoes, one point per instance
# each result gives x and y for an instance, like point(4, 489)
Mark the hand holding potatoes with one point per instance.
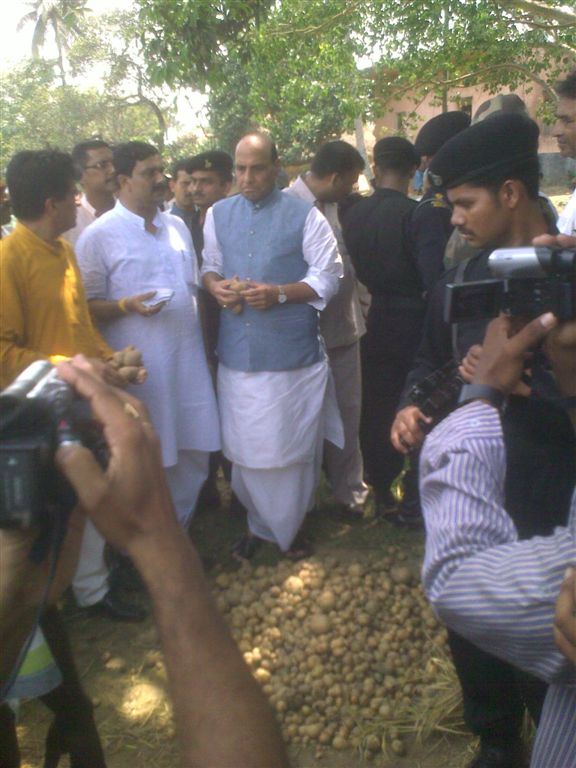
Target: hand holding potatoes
point(128, 365)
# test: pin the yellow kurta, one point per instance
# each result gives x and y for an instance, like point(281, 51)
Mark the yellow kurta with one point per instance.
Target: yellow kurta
point(43, 308)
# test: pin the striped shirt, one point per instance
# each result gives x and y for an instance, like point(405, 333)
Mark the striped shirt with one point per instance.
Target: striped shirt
point(488, 586)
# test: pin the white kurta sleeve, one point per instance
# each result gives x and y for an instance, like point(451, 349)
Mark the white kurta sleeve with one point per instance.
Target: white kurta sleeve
point(212, 259)
point(91, 261)
point(320, 251)
point(189, 257)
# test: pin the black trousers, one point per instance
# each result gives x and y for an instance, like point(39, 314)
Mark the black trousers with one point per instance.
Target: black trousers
point(72, 730)
point(394, 329)
point(540, 477)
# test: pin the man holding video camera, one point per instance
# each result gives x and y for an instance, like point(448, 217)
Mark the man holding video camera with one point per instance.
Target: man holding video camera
point(491, 172)
point(498, 591)
point(211, 687)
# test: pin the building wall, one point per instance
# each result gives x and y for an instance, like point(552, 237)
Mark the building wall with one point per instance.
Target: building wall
point(398, 120)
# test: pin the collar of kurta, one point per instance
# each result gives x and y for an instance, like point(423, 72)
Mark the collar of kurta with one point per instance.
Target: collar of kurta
point(32, 241)
point(268, 200)
point(135, 219)
point(85, 204)
point(302, 190)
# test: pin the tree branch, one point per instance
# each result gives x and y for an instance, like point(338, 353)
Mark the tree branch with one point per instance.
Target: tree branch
point(534, 8)
point(476, 75)
point(286, 29)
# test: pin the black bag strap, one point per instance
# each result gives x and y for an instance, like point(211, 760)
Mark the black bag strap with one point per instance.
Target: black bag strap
point(458, 280)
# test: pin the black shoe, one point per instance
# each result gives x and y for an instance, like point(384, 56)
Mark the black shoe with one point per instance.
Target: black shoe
point(236, 507)
point(246, 547)
point(124, 575)
point(350, 511)
point(209, 497)
point(385, 505)
point(406, 517)
point(491, 756)
point(300, 549)
point(113, 607)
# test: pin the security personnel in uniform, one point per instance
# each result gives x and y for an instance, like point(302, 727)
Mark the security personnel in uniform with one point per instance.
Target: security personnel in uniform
point(210, 181)
point(375, 231)
point(430, 226)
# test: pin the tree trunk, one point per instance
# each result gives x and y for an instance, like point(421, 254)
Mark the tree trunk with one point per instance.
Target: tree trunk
point(361, 146)
point(446, 25)
point(60, 60)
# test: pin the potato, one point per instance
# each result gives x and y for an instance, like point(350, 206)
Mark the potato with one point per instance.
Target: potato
point(128, 373)
point(401, 574)
point(319, 624)
point(327, 600)
point(237, 285)
point(373, 743)
point(339, 742)
point(294, 584)
point(117, 359)
point(262, 675)
point(132, 357)
point(398, 747)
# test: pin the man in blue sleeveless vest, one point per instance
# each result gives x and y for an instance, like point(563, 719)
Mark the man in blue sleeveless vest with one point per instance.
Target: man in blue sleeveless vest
point(276, 396)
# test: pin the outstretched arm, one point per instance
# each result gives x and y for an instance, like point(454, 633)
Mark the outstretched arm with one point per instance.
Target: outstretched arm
point(222, 716)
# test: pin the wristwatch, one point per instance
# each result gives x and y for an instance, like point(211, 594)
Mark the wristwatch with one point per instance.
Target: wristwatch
point(492, 395)
point(282, 298)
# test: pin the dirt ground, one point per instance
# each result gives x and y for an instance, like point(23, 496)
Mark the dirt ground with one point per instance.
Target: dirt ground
point(122, 670)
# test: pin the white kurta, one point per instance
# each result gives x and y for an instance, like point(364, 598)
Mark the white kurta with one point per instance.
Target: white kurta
point(85, 215)
point(342, 325)
point(274, 423)
point(567, 220)
point(90, 583)
point(119, 258)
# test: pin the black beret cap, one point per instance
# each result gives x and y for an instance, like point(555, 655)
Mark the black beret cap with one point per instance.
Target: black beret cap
point(491, 147)
point(438, 130)
point(215, 160)
point(395, 148)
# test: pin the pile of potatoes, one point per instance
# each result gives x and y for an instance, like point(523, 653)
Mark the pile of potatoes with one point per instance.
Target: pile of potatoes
point(338, 648)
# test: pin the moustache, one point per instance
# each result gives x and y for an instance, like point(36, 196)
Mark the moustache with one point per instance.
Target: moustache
point(160, 188)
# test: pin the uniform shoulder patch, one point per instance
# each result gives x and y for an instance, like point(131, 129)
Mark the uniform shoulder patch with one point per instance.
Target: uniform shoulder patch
point(438, 201)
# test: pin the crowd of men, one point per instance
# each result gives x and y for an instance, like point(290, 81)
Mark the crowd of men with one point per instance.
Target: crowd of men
point(283, 333)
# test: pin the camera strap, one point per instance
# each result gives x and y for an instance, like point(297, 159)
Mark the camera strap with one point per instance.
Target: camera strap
point(47, 544)
point(458, 280)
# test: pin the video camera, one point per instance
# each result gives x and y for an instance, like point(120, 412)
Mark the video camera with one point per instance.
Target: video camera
point(528, 282)
point(38, 413)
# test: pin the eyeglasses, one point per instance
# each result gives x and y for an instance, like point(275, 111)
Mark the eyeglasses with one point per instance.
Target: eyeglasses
point(100, 166)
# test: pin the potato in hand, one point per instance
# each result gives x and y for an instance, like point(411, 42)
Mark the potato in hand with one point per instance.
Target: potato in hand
point(128, 363)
